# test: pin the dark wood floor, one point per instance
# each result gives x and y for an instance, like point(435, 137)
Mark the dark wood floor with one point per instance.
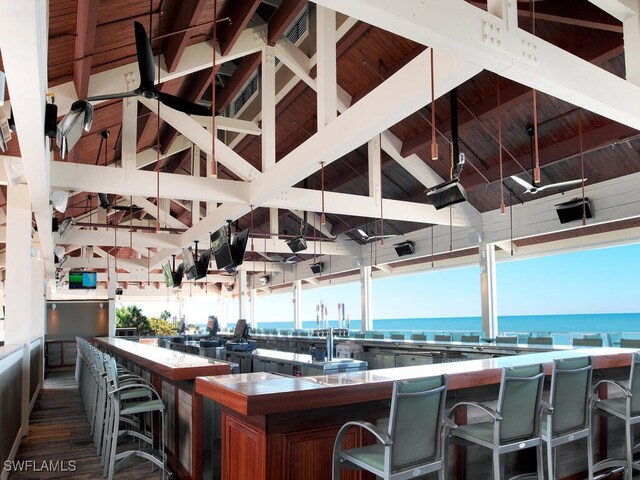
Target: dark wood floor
point(59, 431)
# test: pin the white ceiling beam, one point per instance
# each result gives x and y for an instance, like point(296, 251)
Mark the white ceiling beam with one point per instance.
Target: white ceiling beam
point(191, 129)
point(618, 9)
point(91, 178)
point(236, 125)
point(480, 38)
point(195, 58)
point(396, 98)
point(150, 156)
point(159, 278)
point(295, 60)
point(24, 37)
point(121, 238)
point(129, 264)
point(165, 216)
point(326, 54)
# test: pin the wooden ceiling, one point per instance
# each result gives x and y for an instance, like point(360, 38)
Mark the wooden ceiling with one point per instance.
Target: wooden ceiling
point(87, 37)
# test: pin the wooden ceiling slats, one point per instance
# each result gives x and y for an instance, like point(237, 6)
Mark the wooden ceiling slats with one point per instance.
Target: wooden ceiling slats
point(174, 46)
point(228, 32)
point(86, 24)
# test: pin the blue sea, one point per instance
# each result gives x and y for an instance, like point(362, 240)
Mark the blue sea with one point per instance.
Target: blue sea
point(561, 327)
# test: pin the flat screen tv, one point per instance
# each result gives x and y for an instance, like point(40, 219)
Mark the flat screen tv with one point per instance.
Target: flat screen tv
point(221, 249)
point(240, 246)
point(202, 264)
point(242, 331)
point(189, 264)
point(177, 275)
point(81, 280)
point(168, 274)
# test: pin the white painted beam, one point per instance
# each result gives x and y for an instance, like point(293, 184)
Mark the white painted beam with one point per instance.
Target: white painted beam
point(149, 156)
point(120, 238)
point(236, 125)
point(619, 9)
point(166, 218)
point(478, 37)
point(90, 178)
point(326, 54)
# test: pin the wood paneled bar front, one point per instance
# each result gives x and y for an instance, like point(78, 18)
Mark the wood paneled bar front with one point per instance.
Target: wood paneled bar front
point(275, 427)
point(173, 374)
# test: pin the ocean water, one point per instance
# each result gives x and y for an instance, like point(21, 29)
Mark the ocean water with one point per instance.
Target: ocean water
point(583, 323)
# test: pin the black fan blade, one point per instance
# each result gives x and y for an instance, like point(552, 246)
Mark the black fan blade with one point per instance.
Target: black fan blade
point(145, 57)
point(125, 208)
point(185, 106)
point(111, 96)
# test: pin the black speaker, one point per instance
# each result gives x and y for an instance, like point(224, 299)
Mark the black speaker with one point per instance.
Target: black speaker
point(447, 193)
point(573, 209)
point(404, 248)
point(50, 118)
point(54, 224)
point(316, 267)
point(297, 244)
point(119, 291)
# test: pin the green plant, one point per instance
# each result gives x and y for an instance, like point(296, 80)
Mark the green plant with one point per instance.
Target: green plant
point(132, 316)
point(165, 315)
point(159, 326)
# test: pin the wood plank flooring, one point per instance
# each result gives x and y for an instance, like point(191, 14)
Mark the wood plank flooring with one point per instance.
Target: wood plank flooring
point(59, 431)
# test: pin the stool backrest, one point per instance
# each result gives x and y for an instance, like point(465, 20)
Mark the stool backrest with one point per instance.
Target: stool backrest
point(634, 383)
point(441, 337)
point(586, 342)
point(416, 419)
point(507, 339)
point(540, 341)
point(569, 394)
point(630, 342)
point(470, 338)
point(519, 401)
point(419, 337)
point(377, 336)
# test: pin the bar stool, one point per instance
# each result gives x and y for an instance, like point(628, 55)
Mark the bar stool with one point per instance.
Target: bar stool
point(514, 424)
point(566, 417)
point(627, 409)
point(413, 443)
point(119, 409)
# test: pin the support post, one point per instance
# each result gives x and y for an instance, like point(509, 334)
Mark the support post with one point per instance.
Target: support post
point(366, 299)
point(488, 289)
point(326, 54)
point(38, 298)
point(375, 174)
point(252, 308)
point(111, 295)
point(297, 304)
point(18, 323)
point(242, 291)
point(631, 32)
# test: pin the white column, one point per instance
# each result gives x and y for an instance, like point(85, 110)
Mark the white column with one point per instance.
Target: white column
point(488, 290)
point(111, 294)
point(242, 292)
point(18, 284)
point(366, 299)
point(268, 122)
point(129, 128)
point(297, 304)
point(38, 298)
point(327, 91)
point(195, 205)
point(631, 31)
point(252, 308)
point(375, 174)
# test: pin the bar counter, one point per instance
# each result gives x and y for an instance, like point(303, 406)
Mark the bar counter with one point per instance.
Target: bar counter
point(173, 374)
point(284, 428)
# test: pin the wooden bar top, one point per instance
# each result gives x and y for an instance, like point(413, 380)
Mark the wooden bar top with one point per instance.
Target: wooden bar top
point(264, 393)
point(162, 361)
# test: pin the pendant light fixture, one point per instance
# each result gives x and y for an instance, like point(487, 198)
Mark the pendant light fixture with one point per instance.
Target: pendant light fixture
point(502, 206)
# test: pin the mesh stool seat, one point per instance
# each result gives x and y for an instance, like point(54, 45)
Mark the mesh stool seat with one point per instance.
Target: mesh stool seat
point(513, 425)
point(413, 443)
point(626, 409)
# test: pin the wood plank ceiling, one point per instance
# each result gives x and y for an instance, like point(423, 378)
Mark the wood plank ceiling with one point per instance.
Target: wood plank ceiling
point(87, 37)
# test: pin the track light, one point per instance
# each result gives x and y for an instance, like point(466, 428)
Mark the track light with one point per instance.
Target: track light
point(69, 130)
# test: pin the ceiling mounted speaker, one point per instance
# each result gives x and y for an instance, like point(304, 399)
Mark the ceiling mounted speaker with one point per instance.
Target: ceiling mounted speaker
point(447, 193)
point(316, 267)
point(297, 244)
point(404, 248)
point(573, 209)
point(264, 280)
point(50, 117)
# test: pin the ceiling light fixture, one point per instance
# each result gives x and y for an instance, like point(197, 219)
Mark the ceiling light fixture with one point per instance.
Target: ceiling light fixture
point(59, 200)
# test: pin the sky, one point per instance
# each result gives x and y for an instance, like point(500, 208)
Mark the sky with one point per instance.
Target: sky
point(595, 281)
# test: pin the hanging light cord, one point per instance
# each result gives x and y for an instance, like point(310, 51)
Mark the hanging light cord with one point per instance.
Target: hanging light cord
point(502, 207)
point(434, 143)
point(536, 170)
point(584, 205)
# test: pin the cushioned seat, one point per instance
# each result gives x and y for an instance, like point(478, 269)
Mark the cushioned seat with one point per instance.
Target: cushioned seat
point(413, 442)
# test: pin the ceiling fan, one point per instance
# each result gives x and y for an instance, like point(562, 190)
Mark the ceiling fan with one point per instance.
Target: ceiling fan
point(147, 88)
point(533, 189)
